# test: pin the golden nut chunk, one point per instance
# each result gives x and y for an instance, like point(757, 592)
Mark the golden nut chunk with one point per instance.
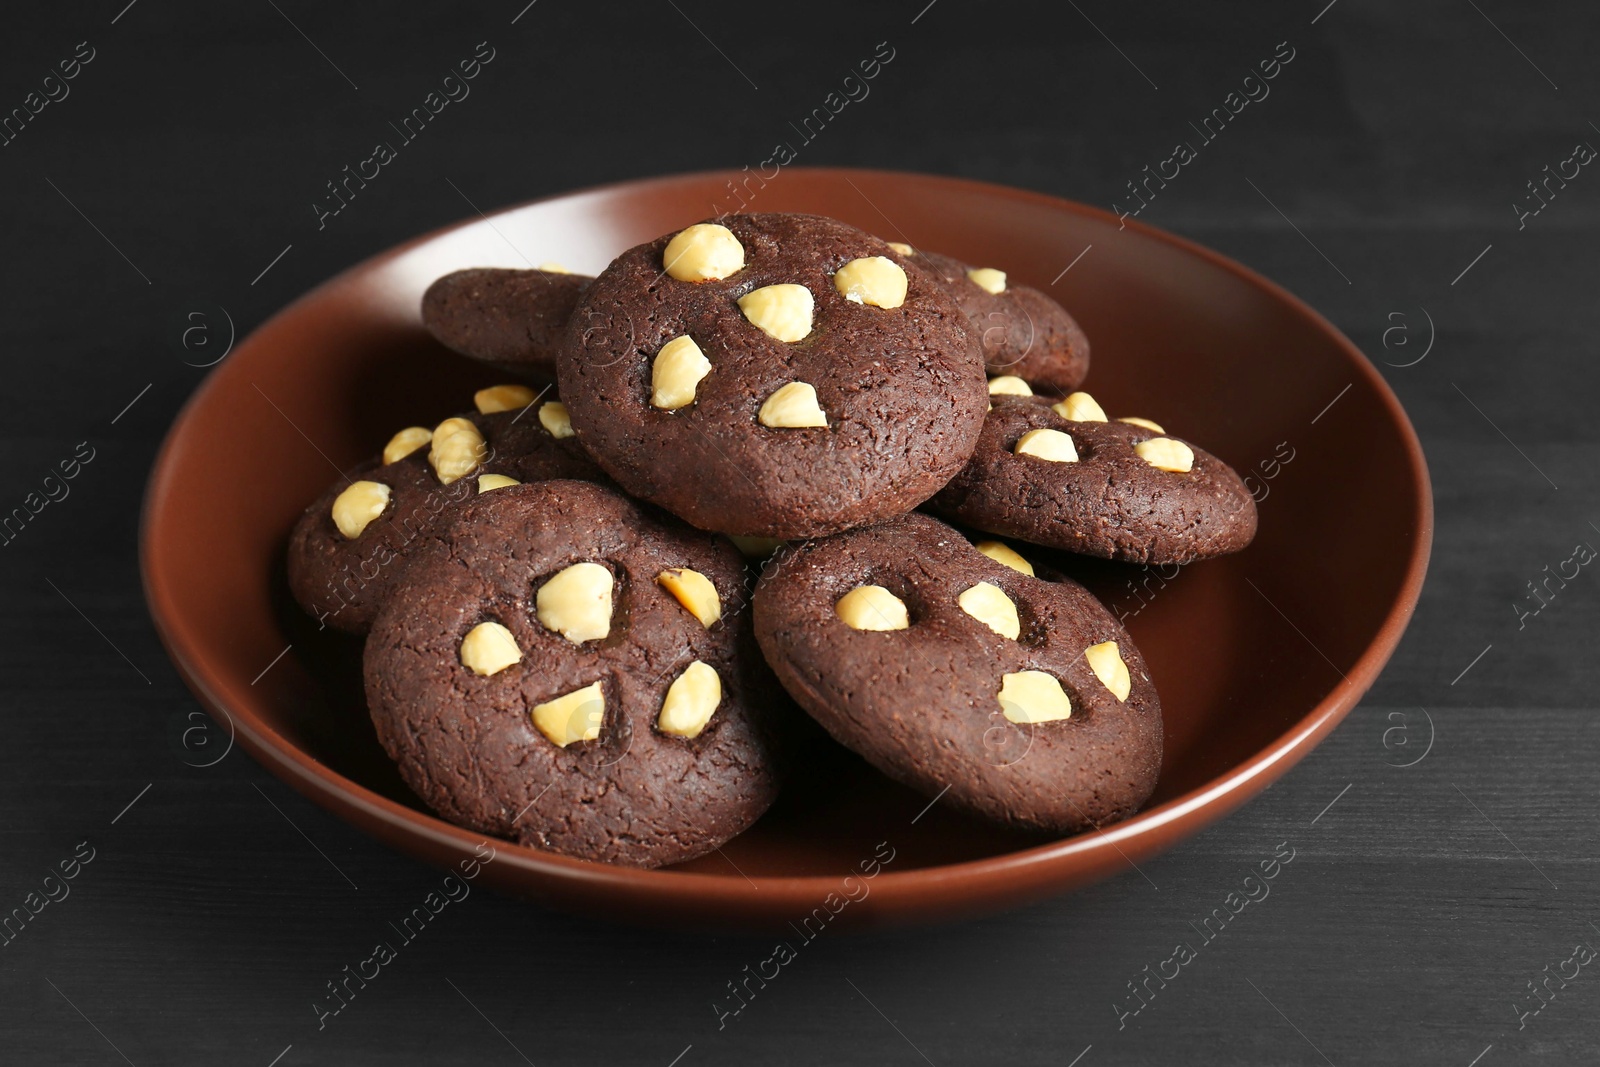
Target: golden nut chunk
point(1009, 385)
point(872, 607)
point(554, 418)
point(990, 606)
point(458, 449)
point(576, 602)
point(1052, 445)
point(1154, 427)
point(1004, 553)
point(358, 505)
point(676, 373)
point(903, 248)
point(1164, 453)
point(875, 280)
point(694, 591)
point(502, 398)
point(1106, 661)
point(702, 253)
point(1033, 696)
point(781, 311)
point(489, 649)
point(552, 267)
point(988, 279)
point(406, 442)
point(574, 717)
point(1079, 407)
point(489, 482)
point(692, 699)
point(791, 407)
point(756, 547)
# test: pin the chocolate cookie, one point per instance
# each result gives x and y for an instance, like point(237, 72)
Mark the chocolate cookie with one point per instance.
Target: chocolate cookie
point(1023, 332)
point(513, 319)
point(1065, 477)
point(347, 549)
point(570, 670)
point(1011, 696)
point(773, 375)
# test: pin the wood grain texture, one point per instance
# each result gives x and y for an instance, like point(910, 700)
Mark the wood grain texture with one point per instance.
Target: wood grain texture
point(1388, 155)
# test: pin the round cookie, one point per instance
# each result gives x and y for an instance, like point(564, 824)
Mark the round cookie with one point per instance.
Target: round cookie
point(481, 675)
point(801, 378)
point(513, 319)
point(951, 672)
point(1023, 332)
point(1125, 496)
point(343, 576)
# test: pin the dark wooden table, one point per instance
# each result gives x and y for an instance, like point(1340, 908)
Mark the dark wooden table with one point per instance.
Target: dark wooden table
point(1442, 902)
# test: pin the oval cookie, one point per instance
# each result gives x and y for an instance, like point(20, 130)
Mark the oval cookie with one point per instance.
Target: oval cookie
point(552, 672)
point(513, 319)
point(342, 574)
point(1022, 331)
point(799, 378)
point(1013, 697)
point(1100, 488)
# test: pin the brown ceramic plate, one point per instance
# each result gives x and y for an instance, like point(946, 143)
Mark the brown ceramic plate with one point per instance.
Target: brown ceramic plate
point(1257, 656)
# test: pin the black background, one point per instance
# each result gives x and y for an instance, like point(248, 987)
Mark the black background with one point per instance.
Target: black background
point(1417, 907)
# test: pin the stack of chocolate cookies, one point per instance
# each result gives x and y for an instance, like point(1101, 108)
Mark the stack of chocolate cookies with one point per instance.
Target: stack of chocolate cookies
point(565, 645)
